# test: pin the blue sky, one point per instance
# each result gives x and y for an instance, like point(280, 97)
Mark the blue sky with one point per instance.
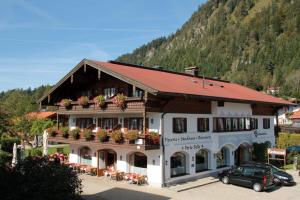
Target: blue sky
point(40, 41)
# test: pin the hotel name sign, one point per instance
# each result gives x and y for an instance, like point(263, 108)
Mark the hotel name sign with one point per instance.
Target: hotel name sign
point(186, 139)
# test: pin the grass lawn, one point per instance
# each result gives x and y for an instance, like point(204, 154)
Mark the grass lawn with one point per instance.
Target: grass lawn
point(65, 149)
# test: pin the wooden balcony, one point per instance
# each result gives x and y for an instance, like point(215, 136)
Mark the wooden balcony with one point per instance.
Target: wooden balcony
point(132, 105)
point(143, 143)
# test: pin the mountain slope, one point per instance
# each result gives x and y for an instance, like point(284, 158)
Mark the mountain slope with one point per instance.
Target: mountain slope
point(252, 42)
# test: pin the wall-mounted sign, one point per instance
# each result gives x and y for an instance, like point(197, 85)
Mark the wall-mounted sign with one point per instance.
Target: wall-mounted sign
point(275, 151)
point(191, 147)
point(258, 134)
point(186, 139)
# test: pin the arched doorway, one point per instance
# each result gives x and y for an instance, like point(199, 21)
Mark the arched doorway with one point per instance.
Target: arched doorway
point(178, 164)
point(223, 157)
point(107, 159)
point(202, 160)
point(242, 154)
point(85, 156)
point(137, 163)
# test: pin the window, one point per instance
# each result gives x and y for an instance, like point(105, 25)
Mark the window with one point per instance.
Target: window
point(228, 124)
point(84, 122)
point(109, 92)
point(219, 124)
point(178, 164)
point(179, 125)
point(85, 156)
point(203, 124)
point(107, 123)
point(201, 161)
point(241, 124)
point(136, 124)
point(247, 124)
point(235, 124)
point(248, 171)
point(138, 163)
point(220, 103)
point(138, 93)
point(266, 123)
point(254, 123)
point(223, 157)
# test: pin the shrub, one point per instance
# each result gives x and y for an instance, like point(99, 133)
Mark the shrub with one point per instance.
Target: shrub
point(36, 152)
point(102, 135)
point(52, 132)
point(88, 134)
point(38, 178)
point(65, 132)
point(99, 101)
point(5, 158)
point(65, 102)
point(75, 133)
point(117, 136)
point(83, 100)
point(285, 140)
point(260, 152)
point(154, 137)
point(119, 100)
point(7, 143)
point(132, 135)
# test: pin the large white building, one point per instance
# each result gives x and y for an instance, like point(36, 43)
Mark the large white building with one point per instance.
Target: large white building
point(204, 125)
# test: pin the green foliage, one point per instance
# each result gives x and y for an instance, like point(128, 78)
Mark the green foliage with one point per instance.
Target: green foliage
point(260, 152)
point(64, 131)
point(154, 137)
point(38, 178)
point(102, 135)
point(7, 143)
point(5, 158)
point(254, 43)
point(40, 125)
point(84, 100)
point(4, 121)
point(36, 152)
point(75, 133)
point(132, 135)
point(117, 136)
point(99, 100)
point(88, 134)
point(285, 140)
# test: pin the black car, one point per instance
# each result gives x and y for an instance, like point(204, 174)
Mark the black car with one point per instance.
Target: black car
point(253, 176)
point(281, 177)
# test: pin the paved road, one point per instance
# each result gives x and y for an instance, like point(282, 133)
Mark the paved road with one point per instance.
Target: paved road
point(104, 189)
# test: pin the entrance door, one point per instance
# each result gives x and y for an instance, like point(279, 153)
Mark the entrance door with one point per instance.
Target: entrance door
point(242, 155)
point(106, 159)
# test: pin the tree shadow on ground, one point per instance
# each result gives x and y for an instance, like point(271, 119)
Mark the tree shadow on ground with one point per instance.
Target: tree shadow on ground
point(123, 194)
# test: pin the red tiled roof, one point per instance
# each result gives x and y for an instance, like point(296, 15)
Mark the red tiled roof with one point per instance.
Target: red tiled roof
point(40, 115)
point(296, 115)
point(167, 82)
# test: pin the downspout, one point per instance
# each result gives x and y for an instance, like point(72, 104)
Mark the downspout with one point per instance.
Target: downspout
point(163, 181)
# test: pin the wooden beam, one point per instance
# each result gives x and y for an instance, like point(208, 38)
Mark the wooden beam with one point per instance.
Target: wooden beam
point(133, 90)
point(99, 74)
point(72, 79)
point(144, 122)
point(49, 98)
point(84, 68)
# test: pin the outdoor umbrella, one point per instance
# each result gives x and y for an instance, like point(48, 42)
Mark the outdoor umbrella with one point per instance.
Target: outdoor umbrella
point(45, 143)
point(14, 160)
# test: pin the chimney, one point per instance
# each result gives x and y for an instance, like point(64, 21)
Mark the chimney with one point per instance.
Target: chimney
point(192, 70)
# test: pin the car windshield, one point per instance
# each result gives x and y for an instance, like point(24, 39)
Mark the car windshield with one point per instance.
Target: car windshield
point(275, 169)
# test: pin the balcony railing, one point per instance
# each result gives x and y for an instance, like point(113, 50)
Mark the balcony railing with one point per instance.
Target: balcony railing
point(132, 104)
point(143, 142)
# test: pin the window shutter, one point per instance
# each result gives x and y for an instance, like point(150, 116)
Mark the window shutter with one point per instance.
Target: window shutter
point(99, 122)
point(185, 125)
point(207, 124)
point(115, 121)
point(77, 122)
point(147, 123)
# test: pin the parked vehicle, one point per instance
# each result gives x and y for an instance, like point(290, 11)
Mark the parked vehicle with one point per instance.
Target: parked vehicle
point(295, 148)
point(281, 177)
point(257, 177)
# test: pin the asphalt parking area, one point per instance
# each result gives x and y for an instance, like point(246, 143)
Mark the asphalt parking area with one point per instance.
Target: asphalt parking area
point(102, 188)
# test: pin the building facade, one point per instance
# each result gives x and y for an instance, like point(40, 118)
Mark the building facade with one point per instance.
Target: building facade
point(204, 125)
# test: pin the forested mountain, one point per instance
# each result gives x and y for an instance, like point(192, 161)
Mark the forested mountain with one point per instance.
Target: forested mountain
point(18, 102)
point(252, 42)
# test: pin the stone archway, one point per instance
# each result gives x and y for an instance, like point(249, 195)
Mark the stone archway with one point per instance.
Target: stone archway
point(242, 154)
point(106, 159)
point(85, 154)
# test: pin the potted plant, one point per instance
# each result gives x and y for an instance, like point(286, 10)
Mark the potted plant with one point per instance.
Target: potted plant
point(75, 133)
point(52, 132)
point(117, 136)
point(154, 137)
point(88, 134)
point(83, 100)
point(65, 132)
point(65, 102)
point(119, 100)
point(99, 101)
point(132, 135)
point(102, 135)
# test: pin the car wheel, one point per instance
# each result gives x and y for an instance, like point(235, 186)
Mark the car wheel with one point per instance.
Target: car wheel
point(225, 180)
point(257, 187)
